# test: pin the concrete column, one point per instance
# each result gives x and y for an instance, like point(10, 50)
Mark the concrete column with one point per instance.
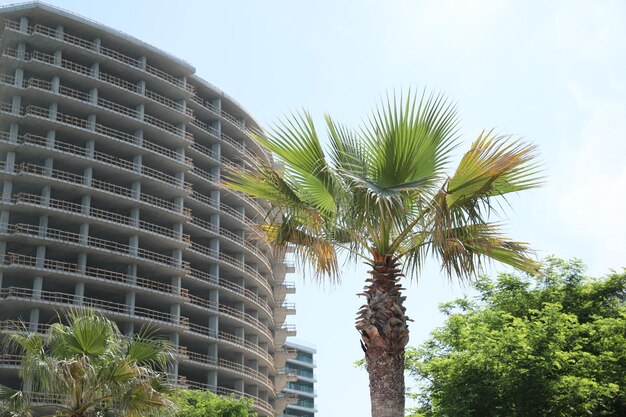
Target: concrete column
point(50, 138)
point(10, 161)
point(142, 62)
point(176, 283)
point(139, 137)
point(180, 152)
point(46, 192)
point(43, 225)
point(96, 44)
point(174, 340)
point(134, 217)
point(14, 129)
point(131, 272)
point(52, 111)
point(60, 32)
point(19, 77)
point(84, 234)
point(16, 105)
point(86, 204)
point(95, 70)
point(90, 148)
point(4, 224)
point(133, 243)
point(129, 329)
point(141, 87)
point(82, 262)
point(178, 230)
point(211, 378)
point(7, 190)
point(24, 24)
point(177, 254)
point(88, 175)
point(58, 58)
point(130, 303)
point(175, 313)
point(179, 202)
point(136, 190)
point(56, 84)
point(37, 287)
point(137, 163)
point(140, 109)
point(92, 120)
point(21, 50)
point(79, 293)
point(33, 320)
point(93, 96)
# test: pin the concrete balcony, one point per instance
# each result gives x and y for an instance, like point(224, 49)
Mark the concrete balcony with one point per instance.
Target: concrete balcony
point(90, 49)
point(103, 81)
point(98, 216)
point(206, 333)
point(231, 263)
point(283, 376)
point(281, 334)
point(282, 311)
point(38, 115)
point(49, 236)
point(230, 367)
point(108, 163)
point(223, 284)
point(41, 175)
point(284, 289)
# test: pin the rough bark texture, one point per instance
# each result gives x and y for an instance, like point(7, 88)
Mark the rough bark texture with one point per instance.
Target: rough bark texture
point(384, 334)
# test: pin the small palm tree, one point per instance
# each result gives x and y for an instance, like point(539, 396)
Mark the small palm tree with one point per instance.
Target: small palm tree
point(87, 368)
point(381, 193)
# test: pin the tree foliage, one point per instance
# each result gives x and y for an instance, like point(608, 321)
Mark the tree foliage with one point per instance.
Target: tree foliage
point(83, 366)
point(195, 403)
point(554, 345)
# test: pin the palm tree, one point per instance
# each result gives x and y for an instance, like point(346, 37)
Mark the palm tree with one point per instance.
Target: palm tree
point(381, 193)
point(87, 368)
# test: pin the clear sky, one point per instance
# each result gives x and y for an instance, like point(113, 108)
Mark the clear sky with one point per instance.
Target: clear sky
point(553, 72)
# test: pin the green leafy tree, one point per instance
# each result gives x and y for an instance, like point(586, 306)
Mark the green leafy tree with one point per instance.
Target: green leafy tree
point(84, 367)
point(382, 193)
point(194, 403)
point(551, 346)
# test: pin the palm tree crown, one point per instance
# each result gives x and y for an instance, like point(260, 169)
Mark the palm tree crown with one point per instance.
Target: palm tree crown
point(385, 193)
point(86, 367)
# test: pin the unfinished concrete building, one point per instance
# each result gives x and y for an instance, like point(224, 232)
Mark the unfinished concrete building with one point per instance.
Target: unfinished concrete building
point(111, 154)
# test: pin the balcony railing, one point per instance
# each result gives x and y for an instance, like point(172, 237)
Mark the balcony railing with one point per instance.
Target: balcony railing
point(230, 312)
point(60, 267)
point(227, 234)
point(34, 83)
point(41, 296)
point(232, 287)
point(107, 187)
point(230, 261)
point(101, 50)
point(108, 216)
point(81, 152)
point(109, 133)
point(65, 237)
point(232, 340)
point(226, 365)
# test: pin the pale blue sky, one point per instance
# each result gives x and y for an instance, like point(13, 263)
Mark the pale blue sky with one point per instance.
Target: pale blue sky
point(552, 72)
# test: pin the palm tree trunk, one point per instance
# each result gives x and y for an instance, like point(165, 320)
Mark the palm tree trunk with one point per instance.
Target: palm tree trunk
point(384, 334)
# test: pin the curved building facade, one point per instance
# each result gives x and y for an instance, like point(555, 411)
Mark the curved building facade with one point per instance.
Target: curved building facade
point(111, 153)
